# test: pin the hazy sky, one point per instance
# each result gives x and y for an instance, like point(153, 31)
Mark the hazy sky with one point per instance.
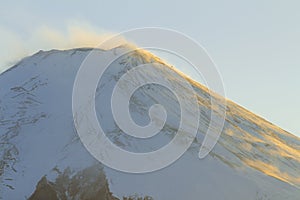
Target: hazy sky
point(255, 44)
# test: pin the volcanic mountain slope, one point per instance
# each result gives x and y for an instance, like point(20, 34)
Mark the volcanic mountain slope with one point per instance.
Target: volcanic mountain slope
point(42, 157)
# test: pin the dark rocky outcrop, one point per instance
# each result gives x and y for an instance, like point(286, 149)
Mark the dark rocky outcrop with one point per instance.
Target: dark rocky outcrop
point(88, 184)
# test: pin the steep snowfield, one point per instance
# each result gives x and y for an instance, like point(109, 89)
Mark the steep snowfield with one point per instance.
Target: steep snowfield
point(253, 159)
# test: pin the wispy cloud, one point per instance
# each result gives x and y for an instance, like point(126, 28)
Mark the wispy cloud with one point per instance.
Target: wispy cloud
point(76, 34)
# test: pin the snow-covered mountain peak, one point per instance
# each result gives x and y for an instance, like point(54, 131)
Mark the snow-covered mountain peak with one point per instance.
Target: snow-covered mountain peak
point(253, 159)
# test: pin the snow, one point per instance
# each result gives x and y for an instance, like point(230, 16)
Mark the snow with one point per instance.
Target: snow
point(253, 159)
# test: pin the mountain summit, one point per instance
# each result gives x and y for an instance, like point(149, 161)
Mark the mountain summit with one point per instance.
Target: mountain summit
point(42, 156)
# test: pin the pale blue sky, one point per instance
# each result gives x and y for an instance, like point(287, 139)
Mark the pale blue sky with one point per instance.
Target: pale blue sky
point(255, 44)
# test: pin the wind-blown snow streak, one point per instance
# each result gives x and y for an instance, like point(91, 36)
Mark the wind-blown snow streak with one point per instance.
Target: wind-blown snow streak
point(76, 35)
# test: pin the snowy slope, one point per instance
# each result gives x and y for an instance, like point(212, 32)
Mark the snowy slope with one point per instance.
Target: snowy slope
point(253, 159)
